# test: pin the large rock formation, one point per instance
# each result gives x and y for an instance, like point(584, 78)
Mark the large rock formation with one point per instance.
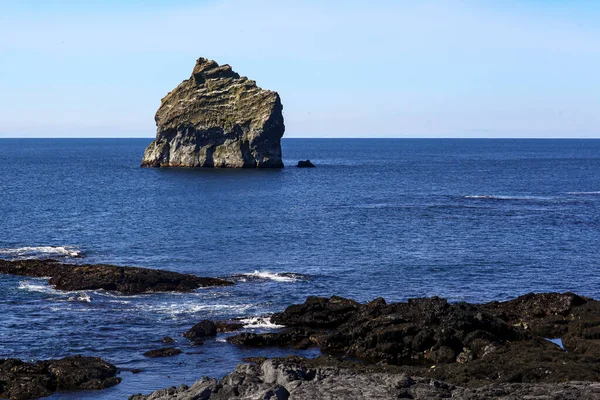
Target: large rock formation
point(217, 119)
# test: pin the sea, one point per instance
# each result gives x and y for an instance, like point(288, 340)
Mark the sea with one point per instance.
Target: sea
point(465, 219)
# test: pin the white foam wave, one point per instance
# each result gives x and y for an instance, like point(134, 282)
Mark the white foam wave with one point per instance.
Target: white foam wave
point(83, 298)
point(259, 323)
point(583, 193)
point(273, 276)
point(119, 302)
point(176, 309)
point(33, 252)
point(70, 309)
point(42, 287)
point(494, 197)
point(39, 287)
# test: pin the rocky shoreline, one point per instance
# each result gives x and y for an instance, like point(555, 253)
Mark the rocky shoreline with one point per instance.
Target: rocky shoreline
point(125, 280)
point(293, 378)
point(23, 381)
point(424, 348)
point(420, 349)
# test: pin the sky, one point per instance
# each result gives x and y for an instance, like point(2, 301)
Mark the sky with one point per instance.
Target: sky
point(343, 68)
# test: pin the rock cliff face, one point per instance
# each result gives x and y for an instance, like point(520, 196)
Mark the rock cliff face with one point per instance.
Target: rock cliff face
point(217, 119)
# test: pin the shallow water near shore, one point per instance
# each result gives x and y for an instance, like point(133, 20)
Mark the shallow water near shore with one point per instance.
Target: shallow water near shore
point(469, 220)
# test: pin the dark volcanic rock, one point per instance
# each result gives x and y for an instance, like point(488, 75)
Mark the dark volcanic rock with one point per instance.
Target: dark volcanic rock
point(422, 329)
point(202, 330)
point(466, 344)
point(425, 349)
point(217, 119)
point(21, 381)
point(300, 338)
point(293, 378)
point(168, 340)
point(127, 280)
point(544, 314)
point(318, 312)
point(573, 318)
point(305, 164)
point(165, 352)
point(228, 326)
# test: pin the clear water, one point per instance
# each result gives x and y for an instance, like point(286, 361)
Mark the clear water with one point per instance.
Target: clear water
point(472, 220)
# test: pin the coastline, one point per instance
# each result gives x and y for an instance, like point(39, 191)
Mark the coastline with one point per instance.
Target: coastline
point(427, 348)
point(293, 378)
point(419, 349)
point(388, 218)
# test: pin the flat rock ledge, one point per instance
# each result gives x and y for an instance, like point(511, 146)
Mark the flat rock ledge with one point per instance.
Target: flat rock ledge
point(126, 280)
point(23, 381)
point(217, 119)
point(293, 379)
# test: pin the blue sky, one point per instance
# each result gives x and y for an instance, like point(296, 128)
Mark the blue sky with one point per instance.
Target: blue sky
point(528, 68)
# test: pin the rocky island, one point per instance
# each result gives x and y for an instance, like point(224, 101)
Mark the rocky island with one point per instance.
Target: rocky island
point(219, 119)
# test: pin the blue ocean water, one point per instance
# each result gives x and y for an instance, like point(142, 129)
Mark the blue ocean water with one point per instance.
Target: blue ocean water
point(472, 220)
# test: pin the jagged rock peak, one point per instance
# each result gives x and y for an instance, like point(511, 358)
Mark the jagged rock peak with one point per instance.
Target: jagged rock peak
point(209, 69)
point(217, 118)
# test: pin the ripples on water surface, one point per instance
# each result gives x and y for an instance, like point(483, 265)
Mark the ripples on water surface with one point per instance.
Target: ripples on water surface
point(472, 220)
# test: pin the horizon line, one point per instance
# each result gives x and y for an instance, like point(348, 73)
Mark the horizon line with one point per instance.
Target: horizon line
point(325, 138)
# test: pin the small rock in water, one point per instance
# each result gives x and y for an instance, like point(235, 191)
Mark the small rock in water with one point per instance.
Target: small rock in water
point(165, 352)
point(201, 330)
point(168, 340)
point(305, 164)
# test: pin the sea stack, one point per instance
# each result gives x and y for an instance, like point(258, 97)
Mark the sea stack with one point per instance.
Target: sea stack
point(217, 119)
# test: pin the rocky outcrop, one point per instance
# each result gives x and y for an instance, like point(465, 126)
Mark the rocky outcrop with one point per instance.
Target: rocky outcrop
point(293, 378)
point(202, 330)
point(318, 312)
point(217, 119)
point(126, 280)
point(420, 349)
point(22, 381)
point(465, 344)
point(430, 330)
point(305, 164)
